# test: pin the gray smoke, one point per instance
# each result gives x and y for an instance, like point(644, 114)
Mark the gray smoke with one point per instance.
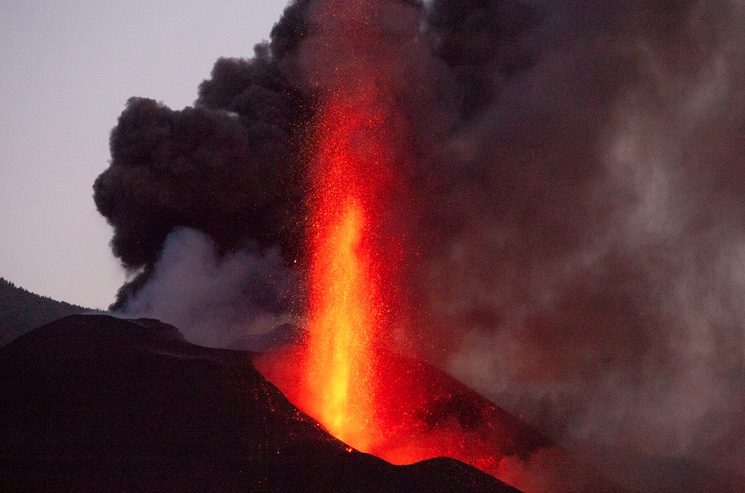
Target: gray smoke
point(215, 300)
point(592, 240)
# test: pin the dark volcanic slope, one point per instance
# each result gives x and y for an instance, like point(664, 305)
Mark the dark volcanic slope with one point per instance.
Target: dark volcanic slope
point(94, 402)
point(21, 311)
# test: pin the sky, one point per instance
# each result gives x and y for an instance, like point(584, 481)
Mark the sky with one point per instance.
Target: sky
point(67, 70)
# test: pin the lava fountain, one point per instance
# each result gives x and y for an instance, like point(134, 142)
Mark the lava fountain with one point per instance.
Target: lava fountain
point(355, 145)
point(346, 306)
point(346, 373)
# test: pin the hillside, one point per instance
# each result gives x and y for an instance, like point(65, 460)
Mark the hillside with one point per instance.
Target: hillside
point(21, 311)
point(95, 403)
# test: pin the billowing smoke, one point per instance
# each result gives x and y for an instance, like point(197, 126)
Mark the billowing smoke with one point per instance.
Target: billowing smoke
point(589, 253)
point(217, 300)
point(577, 205)
point(231, 166)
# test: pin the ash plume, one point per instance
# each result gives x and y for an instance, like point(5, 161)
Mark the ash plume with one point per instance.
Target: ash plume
point(231, 166)
point(574, 206)
point(588, 236)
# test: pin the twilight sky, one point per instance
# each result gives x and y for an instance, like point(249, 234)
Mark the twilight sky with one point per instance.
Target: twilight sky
point(67, 70)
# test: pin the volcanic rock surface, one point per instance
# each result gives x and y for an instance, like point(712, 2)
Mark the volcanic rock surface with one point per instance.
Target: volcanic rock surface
point(99, 403)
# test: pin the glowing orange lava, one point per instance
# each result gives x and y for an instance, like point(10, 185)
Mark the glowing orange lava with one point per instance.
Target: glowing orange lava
point(341, 325)
point(344, 373)
point(339, 375)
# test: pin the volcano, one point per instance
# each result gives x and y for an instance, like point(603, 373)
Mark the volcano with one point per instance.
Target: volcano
point(99, 403)
point(423, 413)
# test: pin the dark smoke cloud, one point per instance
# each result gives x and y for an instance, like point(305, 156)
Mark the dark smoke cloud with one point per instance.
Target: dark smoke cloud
point(576, 201)
point(589, 228)
point(231, 166)
point(480, 42)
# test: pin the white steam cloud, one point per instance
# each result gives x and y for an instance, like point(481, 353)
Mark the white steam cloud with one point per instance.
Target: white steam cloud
point(216, 301)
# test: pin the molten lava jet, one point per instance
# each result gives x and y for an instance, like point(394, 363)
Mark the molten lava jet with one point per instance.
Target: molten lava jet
point(345, 308)
point(345, 373)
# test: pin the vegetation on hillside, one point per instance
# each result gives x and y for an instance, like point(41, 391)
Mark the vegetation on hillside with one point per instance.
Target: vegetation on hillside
point(21, 311)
